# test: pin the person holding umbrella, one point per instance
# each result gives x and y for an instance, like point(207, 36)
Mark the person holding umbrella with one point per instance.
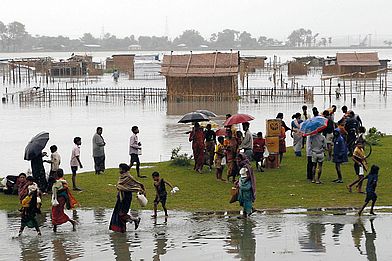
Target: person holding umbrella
point(197, 138)
point(33, 152)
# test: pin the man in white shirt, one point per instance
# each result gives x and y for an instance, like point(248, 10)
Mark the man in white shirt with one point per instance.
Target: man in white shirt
point(75, 161)
point(247, 142)
point(135, 148)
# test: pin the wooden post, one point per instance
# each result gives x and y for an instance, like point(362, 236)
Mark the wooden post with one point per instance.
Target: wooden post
point(344, 89)
point(330, 87)
point(386, 82)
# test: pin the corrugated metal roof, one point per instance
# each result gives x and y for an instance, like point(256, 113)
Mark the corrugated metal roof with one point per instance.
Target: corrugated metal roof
point(200, 65)
point(357, 59)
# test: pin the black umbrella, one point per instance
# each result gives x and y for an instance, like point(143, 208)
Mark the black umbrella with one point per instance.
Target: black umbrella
point(193, 117)
point(36, 145)
point(207, 113)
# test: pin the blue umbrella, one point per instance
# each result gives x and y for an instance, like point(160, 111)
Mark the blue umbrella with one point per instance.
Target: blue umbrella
point(36, 145)
point(313, 125)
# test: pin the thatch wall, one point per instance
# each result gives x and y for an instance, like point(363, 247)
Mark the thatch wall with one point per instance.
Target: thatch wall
point(202, 88)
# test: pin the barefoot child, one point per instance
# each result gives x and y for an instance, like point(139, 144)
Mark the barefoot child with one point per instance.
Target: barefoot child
point(219, 155)
point(372, 178)
point(30, 207)
point(161, 195)
point(360, 165)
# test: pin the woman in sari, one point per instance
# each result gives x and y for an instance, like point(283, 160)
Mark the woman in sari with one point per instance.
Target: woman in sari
point(247, 185)
point(126, 185)
point(197, 138)
point(297, 136)
point(30, 207)
point(61, 198)
point(22, 186)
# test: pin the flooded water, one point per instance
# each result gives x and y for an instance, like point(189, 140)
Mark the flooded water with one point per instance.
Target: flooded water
point(198, 237)
point(157, 121)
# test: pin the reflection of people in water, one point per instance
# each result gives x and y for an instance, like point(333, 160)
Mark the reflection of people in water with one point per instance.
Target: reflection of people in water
point(120, 245)
point(30, 250)
point(314, 240)
point(160, 241)
point(337, 228)
point(242, 240)
point(68, 251)
point(357, 233)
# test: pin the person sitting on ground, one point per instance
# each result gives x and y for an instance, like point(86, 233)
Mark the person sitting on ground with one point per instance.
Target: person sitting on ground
point(258, 151)
point(219, 156)
point(360, 166)
point(30, 207)
point(371, 195)
point(161, 193)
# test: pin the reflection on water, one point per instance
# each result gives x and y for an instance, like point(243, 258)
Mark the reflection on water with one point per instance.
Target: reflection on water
point(298, 237)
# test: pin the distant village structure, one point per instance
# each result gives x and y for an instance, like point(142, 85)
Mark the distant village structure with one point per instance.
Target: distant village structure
point(353, 65)
point(124, 63)
point(207, 76)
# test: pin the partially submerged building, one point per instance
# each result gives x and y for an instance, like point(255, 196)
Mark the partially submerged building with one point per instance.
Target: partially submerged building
point(207, 76)
point(352, 64)
point(124, 63)
point(76, 65)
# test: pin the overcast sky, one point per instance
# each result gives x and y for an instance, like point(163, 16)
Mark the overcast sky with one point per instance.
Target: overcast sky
point(273, 18)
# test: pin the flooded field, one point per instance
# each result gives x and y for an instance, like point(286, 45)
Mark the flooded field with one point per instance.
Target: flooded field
point(201, 237)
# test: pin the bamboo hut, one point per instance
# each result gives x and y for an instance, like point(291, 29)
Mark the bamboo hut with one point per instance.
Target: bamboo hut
point(207, 76)
point(355, 64)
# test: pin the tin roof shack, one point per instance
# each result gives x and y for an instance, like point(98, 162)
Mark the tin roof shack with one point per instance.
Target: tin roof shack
point(123, 63)
point(297, 68)
point(251, 63)
point(40, 64)
point(353, 64)
point(312, 61)
point(207, 76)
point(76, 65)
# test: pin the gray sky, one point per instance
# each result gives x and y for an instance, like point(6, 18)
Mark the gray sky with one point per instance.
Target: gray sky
point(273, 18)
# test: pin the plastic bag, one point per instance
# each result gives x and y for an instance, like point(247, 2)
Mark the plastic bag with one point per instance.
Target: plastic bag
point(139, 151)
point(54, 202)
point(174, 190)
point(361, 171)
point(266, 153)
point(142, 199)
point(223, 161)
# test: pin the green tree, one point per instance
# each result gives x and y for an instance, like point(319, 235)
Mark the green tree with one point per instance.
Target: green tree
point(3, 35)
point(191, 38)
point(227, 39)
point(300, 37)
point(247, 41)
point(16, 33)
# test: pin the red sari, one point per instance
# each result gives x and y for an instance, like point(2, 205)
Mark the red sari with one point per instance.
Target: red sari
point(58, 215)
point(197, 139)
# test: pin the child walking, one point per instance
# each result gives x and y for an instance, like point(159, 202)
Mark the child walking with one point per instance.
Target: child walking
point(161, 193)
point(219, 155)
point(371, 195)
point(30, 207)
point(360, 165)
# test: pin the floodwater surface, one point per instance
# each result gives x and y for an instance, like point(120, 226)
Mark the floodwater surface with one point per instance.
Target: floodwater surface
point(186, 236)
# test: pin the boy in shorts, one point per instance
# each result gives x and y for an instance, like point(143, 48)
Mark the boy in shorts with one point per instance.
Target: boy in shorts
point(371, 195)
point(318, 145)
point(75, 161)
point(161, 193)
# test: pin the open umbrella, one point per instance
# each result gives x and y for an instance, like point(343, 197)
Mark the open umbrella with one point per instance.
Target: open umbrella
point(220, 132)
point(207, 113)
point(313, 125)
point(36, 145)
point(193, 117)
point(238, 118)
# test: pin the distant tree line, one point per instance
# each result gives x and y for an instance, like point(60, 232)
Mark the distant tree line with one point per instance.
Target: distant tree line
point(14, 37)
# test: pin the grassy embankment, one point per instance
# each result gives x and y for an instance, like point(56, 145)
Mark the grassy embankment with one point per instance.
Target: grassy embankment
point(285, 187)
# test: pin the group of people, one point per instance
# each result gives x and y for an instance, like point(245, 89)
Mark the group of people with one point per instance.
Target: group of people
point(32, 188)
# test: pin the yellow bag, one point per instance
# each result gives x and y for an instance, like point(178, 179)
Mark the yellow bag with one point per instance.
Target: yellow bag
point(26, 202)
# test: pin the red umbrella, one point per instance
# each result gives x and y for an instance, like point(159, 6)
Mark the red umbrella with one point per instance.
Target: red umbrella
point(220, 132)
point(238, 118)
